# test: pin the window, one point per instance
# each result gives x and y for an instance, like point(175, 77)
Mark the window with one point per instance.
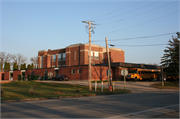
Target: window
point(64, 56)
point(54, 58)
point(59, 64)
point(91, 54)
point(79, 71)
point(72, 71)
point(59, 57)
point(96, 55)
point(32, 72)
point(41, 61)
point(63, 65)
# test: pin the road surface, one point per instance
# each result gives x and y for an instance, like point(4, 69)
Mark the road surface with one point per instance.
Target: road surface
point(143, 102)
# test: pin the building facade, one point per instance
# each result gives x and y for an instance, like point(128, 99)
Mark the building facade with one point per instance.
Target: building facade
point(73, 62)
point(77, 54)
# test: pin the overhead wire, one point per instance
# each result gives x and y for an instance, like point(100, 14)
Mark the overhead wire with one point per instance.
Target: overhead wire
point(132, 38)
point(128, 11)
point(140, 23)
point(118, 9)
point(140, 45)
point(137, 14)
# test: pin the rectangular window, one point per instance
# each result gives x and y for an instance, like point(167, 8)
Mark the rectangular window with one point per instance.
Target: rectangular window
point(91, 54)
point(96, 55)
point(32, 72)
point(59, 57)
point(59, 64)
point(63, 65)
point(72, 71)
point(64, 56)
point(41, 61)
point(45, 72)
point(54, 58)
point(79, 71)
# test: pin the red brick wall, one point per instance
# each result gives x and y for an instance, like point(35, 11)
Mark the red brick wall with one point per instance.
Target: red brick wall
point(6, 75)
point(39, 72)
point(99, 72)
point(117, 56)
point(76, 76)
point(15, 74)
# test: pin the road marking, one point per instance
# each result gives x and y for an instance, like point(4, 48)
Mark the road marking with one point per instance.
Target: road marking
point(142, 111)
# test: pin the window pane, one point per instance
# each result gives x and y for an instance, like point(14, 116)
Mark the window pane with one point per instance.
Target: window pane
point(96, 55)
point(91, 54)
point(59, 57)
point(54, 58)
point(64, 56)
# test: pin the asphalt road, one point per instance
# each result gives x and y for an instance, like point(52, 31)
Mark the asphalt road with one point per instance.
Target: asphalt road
point(143, 102)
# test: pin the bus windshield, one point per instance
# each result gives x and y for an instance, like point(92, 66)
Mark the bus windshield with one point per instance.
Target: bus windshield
point(132, 71)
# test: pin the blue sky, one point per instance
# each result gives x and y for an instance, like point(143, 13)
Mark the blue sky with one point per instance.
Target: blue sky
point(31, 26)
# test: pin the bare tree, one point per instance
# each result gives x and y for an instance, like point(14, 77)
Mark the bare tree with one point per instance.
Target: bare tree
point(19, 59)
point(34, 60)
point(5, 57)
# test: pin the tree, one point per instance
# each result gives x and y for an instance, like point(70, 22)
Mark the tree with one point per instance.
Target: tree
point(6, 66)
point(15, 66)
point(34, 60)
point(19, 59)
point(32, 66)
point(170, 59)
point(4, 57)
point(29, 66)
point(1, 66)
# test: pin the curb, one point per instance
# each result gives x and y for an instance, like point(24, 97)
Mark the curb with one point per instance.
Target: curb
point(35, 99)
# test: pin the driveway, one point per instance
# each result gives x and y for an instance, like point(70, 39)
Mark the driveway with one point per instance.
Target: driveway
point(135, 87)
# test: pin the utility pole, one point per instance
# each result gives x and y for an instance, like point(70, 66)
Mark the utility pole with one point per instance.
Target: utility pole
point(89, 54)
point(162, 77)
point(109, 67)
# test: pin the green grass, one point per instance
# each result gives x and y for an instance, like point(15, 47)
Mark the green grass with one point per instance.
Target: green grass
point(31, 89)
point(167, 85)
point(99, 81)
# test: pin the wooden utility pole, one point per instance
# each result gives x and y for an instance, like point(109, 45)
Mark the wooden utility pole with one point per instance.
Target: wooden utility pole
point(162, 77)
point(89, 54)
point(109, 66)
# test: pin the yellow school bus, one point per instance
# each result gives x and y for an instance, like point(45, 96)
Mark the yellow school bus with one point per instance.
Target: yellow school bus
point(142, 74)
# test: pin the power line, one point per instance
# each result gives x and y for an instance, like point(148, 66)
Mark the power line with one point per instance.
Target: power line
point(140, 23)
point(137, 14)
point(136, 37)
point(128, 11)
point(118, 10)
point(140, 45)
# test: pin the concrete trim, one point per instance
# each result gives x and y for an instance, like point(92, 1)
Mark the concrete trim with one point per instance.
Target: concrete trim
point(42, 51)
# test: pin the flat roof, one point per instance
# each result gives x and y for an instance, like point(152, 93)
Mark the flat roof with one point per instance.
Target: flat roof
point(131, 65)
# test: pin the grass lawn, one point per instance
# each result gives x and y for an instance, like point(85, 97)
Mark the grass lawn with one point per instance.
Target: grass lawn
point(99, 81)
point(30, 89)
point(167, 85)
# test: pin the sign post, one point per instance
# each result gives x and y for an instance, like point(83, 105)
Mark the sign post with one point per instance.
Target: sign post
point(102, 85)
point(124, 72)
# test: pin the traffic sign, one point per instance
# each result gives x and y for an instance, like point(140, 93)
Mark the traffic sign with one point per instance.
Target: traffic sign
point(124, 72)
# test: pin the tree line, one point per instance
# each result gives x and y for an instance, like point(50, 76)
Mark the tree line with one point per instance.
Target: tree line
point(17, 61)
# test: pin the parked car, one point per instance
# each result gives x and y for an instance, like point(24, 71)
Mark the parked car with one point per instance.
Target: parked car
point(60, 78)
